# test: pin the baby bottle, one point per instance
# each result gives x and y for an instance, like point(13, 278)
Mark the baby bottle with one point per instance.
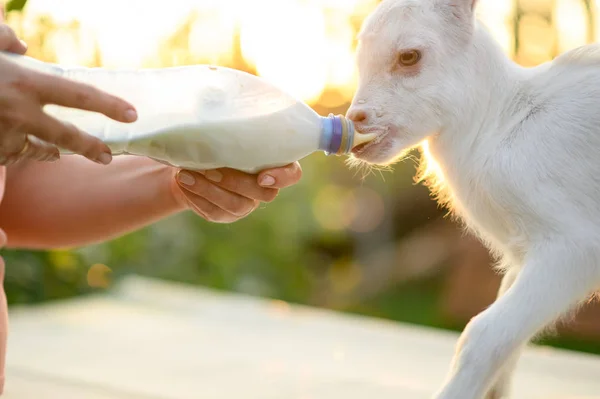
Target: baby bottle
point(204, 117)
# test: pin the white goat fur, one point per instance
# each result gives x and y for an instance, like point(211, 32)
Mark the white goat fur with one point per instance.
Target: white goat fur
point(518, 160)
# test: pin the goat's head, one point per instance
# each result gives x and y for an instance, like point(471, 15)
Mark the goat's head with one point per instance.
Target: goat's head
point(412, 68)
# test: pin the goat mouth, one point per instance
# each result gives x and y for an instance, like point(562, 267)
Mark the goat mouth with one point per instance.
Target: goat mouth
point(361, 148)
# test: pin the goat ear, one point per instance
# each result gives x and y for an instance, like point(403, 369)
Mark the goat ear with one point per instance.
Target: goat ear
point(461, 7)
point(464, 5)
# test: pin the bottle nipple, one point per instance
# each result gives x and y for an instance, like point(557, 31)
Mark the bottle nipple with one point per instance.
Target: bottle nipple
point(339, 137)
point(362, 138)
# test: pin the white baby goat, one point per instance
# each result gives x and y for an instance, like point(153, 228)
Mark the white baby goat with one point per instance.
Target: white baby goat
point(517, 156)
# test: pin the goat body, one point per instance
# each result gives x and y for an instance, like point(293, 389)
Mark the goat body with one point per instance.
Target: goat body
point(512, 151)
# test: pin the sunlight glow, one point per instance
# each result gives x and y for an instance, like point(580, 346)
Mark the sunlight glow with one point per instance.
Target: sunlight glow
point(304, 46)
point(432, 168)
point(572, 24)
point(281, 47)
point(497, 17)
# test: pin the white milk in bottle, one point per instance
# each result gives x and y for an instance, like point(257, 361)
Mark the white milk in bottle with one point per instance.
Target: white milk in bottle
point(203, 117)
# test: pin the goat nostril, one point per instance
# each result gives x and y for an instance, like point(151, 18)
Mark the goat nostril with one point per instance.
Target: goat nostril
point(358, 115)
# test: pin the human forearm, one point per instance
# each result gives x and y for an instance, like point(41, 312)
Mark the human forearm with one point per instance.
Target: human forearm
point(75, 202)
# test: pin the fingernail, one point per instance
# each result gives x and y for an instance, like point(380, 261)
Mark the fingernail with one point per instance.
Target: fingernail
point(267, 180)
point(214, 175)
point(24, 44)
point(130, 115)
point(186, 179)
point(105, 158)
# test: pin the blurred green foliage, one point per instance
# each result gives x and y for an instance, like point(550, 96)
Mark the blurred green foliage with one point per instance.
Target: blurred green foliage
point(15, 5)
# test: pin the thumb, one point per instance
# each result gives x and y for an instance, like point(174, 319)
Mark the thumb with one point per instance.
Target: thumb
point(280, 177)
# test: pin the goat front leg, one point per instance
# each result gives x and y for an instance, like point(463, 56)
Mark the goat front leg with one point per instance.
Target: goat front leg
point(555, 276)
point(501, 388)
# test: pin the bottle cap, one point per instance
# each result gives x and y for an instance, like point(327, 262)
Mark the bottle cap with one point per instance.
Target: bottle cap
point(339, 137)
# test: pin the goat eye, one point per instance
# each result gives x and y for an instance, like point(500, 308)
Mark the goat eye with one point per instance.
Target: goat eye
point(409, 58)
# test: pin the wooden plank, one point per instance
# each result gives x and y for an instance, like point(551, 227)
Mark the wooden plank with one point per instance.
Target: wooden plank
point(163, 341)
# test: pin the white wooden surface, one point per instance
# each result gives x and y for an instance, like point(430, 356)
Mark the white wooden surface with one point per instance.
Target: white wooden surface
point(156, 340)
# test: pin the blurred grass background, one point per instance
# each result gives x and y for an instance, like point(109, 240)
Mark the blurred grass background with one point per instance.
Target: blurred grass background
point(375, 245)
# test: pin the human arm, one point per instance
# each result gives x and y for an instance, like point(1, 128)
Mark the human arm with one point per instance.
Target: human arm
point(74, 202)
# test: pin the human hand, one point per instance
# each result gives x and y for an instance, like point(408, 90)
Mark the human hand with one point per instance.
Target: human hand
point(227, 195)
point(27, 132)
